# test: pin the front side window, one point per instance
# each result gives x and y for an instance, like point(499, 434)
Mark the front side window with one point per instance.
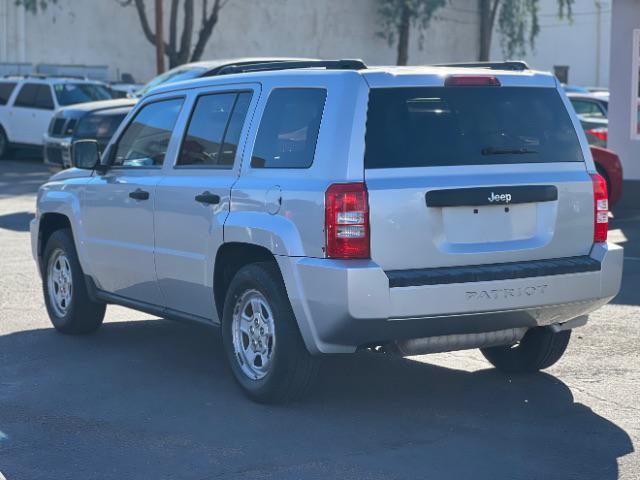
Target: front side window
point(72, 93)
point(214, 130)
point(145, 141)
point(6, 89)
point(44, 100)
point(289, 128)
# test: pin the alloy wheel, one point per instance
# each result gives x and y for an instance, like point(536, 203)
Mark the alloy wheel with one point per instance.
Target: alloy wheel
point(253, 331)
point(59, 282)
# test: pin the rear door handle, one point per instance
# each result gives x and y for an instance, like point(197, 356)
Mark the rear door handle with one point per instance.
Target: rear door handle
point(208, 197)
point(139, 194)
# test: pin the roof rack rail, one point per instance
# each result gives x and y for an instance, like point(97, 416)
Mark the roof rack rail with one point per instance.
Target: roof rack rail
point(43, 76)
point(514, 65)
point(347, 64)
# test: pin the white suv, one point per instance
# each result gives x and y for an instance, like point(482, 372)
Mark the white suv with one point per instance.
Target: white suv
point(27, 105)
point(313, 208)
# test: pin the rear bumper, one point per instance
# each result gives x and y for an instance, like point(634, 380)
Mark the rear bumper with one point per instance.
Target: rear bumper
point(342, 305)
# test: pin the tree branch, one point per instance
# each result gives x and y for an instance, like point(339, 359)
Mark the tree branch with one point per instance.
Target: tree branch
point(144, 21)
point(173, 26)
point(208, 24)
point(187, 32)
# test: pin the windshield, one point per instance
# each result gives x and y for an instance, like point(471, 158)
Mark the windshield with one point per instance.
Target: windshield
point(72, 93)
point(176, 75)
point(441, 126)
point(100, 126)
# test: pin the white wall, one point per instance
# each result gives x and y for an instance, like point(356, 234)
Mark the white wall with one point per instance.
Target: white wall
point(622, 104)
point(100, 32)
point(583, 44)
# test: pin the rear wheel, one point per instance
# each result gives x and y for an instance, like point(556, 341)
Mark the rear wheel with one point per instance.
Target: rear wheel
point(261, 339)
point(539, 349)
point(70, 308)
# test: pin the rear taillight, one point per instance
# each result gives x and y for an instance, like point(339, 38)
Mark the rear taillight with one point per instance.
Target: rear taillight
point(347, 220)
point(471, 81)
point(600, 133)
point(601, 208)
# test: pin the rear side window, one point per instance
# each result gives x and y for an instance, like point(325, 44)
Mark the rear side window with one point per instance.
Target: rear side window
point(34, 95)
point(443, 126)
point(145, 141)
point(6, 89)
point(214, 130)
point(289, 128)
point(27, 95)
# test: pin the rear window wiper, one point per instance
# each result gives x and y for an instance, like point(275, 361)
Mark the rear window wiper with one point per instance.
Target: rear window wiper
point(506, 151)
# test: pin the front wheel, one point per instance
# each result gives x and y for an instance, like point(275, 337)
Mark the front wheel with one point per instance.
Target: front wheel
point(70, 308)
point(539, 349)
point(261, 339)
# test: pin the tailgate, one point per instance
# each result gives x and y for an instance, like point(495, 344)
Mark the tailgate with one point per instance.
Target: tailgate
point(413, 228)
point(473, 176)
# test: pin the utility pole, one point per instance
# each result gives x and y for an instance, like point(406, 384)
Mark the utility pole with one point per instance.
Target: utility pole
point(159, 37)
point(598, 40)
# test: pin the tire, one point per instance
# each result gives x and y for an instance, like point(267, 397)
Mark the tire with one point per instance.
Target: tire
point(74, 313)
point(5, 148)
point(285, 369)
point(539, 349)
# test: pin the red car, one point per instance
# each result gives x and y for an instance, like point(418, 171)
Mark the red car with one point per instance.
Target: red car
point(609, 166)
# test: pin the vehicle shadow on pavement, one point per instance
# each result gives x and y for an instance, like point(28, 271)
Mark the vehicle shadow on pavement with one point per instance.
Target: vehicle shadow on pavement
point(18, 222)
point(628, 222)
point(154, 399)
point(22, 177)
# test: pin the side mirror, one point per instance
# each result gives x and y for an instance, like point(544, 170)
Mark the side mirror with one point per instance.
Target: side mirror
point(85, 154)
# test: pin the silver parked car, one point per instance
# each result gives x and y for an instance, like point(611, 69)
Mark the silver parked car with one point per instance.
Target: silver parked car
point(324, 207)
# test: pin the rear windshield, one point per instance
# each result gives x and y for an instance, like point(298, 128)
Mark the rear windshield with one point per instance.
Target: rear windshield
point(72, 93)
point(443, 126)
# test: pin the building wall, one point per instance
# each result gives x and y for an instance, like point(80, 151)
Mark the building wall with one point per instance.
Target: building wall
point(624, 86)
point(582, 44)
point(100, 32)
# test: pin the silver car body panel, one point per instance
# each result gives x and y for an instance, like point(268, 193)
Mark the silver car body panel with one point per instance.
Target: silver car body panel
point(340, 305)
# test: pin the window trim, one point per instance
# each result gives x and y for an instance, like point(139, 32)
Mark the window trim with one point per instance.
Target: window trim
point(185, 131)
point(114, 147)
point(315, 148)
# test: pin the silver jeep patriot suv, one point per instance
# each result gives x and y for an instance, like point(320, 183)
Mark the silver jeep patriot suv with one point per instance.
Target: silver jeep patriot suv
point(322, 207)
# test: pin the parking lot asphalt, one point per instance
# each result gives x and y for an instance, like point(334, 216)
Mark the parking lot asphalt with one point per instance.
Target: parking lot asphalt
point(146, 398)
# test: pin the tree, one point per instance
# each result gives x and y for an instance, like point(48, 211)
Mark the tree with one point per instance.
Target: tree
point(178, 50)
point(517, 24)
point(399, 16)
